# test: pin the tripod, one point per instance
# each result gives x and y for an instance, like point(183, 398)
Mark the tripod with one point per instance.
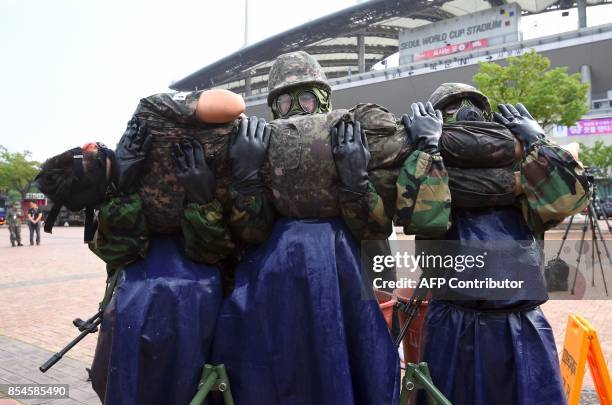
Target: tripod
point(590, 221)
point(597, 200)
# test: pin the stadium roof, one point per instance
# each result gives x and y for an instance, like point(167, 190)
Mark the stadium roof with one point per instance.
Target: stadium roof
point(349, 41)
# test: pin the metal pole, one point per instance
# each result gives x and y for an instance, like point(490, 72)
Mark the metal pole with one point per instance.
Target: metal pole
point(361, 52)
point(247, 84)
point(246, 22)
point(582, 17)
point(585, 77)
point(247, 77)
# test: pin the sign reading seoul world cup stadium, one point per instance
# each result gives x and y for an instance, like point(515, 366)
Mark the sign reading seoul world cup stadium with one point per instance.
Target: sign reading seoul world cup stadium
point(482, 29)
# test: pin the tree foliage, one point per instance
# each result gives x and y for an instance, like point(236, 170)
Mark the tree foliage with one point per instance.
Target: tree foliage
point(551, 95)
point(17, 171)
point(599, 155)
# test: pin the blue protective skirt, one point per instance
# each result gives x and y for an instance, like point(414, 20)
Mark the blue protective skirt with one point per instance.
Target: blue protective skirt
point(157, 330)
point(488, 351)
point(297, 329)
point(491, 358)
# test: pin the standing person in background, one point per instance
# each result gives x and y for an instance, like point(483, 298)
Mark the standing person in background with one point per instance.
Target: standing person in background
point(34, 220)
point(14, 225)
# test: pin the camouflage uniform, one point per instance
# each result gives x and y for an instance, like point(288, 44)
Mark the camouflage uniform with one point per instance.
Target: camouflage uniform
point(294, 72)
point(554, 187)
point(171, 118)
point(554, 184)
point(14, 225)
point(122, 235)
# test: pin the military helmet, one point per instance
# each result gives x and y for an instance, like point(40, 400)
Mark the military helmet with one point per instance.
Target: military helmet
point(446, 93)
point(295, 68)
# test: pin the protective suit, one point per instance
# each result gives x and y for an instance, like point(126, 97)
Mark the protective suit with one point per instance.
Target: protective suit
point(164, 291)
point(298, 327)
point(483, 350)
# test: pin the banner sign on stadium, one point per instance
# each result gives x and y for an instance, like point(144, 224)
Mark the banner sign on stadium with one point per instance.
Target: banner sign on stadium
point(451, 49)
point(491, 27)
point(594, 126)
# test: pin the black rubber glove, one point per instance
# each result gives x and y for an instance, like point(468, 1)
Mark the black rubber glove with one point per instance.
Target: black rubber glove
point(193, 172)
point(247, 152)
point(131, 153)
point(424, 127)
point(520, 123)
point(352, 155)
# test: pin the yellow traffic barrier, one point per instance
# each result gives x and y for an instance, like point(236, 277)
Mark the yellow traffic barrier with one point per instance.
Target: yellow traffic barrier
point(582, 346)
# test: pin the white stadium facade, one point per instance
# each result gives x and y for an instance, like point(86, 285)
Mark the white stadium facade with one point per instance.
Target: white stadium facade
point(438, 41)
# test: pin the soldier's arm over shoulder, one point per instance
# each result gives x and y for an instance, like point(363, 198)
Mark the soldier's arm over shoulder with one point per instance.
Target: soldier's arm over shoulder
point(423, 205)
point(364, 215)
point(555, 186)
point(252, 216)
point(207, 237)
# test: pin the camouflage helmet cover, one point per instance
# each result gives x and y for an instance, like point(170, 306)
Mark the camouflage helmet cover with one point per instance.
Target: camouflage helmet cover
point(295, 68)
point(446, 93)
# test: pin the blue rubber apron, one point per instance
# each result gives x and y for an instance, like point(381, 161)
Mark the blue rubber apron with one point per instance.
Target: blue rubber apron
point(494, 351)
point(158, 328)
point(298, 329)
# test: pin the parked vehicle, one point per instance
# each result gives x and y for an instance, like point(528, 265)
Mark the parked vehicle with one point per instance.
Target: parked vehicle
point(603, 207)
point(3, 209)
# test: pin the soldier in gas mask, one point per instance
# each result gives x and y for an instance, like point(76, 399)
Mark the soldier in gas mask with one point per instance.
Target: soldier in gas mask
point(485, 347)
point(297, 328)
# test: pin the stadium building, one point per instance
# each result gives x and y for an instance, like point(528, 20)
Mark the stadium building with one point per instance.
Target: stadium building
point(433, 41)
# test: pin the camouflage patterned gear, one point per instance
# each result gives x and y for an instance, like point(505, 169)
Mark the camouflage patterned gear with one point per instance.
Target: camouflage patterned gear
point(447, 93)
point(14, 225)
point(251, 217)
point(170, 118)
point(122, 236)
point(292, 69)
point(301, 171)
point(423, 197)
point(207, 238)
point(12, 218)
point(365, 215)
point(554, 184)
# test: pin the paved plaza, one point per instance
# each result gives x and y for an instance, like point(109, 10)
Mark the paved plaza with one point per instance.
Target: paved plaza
point(43, 288)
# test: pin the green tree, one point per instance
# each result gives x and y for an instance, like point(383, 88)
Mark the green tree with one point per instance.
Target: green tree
point(552, 96)
point(17, 171)
point(599, 155)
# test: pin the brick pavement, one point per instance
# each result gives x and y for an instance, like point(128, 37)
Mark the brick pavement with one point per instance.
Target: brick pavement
point(42, 289)
point(19, 364)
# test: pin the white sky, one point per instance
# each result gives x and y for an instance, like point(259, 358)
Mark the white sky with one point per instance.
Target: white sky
point(72, 71)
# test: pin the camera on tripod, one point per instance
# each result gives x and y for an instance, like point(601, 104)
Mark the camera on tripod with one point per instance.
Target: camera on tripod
point(557, 270)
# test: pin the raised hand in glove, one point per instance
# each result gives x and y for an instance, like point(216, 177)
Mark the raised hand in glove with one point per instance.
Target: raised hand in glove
point(520, 123)
point(193, 172)
point(424, 127)
point(131, 153)
point(352, 155)
point(247, 152)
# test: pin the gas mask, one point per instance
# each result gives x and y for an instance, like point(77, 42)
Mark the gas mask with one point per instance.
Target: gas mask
point(301, 101)
point(464, 110)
